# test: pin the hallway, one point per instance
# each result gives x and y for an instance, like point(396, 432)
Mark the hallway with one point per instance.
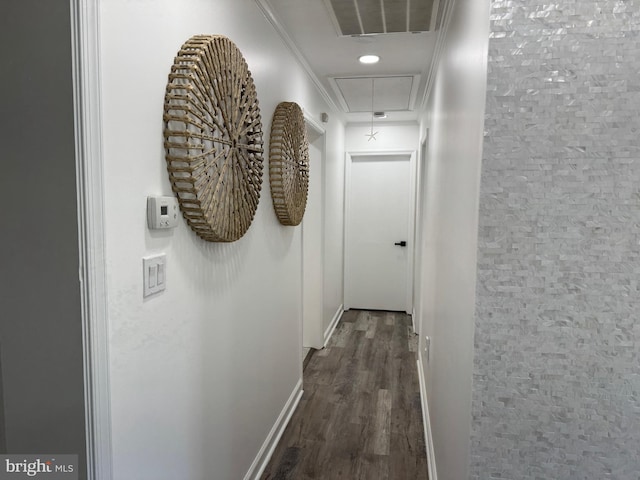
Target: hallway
point(360, 415)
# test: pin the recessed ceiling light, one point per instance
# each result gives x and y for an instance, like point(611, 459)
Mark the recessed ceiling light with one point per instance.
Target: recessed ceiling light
point(369, 59)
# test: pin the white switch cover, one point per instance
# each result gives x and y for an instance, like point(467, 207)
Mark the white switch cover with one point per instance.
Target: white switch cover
point(154, 274)
point(427, 347)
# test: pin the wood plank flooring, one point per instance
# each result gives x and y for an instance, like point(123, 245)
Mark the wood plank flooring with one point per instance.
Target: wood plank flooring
point(360, 416)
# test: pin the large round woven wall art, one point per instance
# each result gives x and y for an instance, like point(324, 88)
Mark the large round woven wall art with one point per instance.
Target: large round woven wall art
point(213, 138)
point(289, 163)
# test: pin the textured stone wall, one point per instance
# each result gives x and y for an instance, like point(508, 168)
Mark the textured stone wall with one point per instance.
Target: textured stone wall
point(557, 343)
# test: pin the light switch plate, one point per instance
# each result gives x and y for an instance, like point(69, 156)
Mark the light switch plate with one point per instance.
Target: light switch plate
point(427, 347)
point(154, 274)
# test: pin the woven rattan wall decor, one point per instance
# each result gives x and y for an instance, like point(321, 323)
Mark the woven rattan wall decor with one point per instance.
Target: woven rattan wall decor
point(289, 163)
point(213, 138)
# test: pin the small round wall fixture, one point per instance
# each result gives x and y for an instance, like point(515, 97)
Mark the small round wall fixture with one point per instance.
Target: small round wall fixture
point(289, 163)
point(213, 138)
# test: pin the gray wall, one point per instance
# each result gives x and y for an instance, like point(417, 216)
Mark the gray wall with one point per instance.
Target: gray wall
point(556, 381)
point(40, 323)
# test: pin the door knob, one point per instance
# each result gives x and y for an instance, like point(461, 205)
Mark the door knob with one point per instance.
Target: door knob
point(401, 244)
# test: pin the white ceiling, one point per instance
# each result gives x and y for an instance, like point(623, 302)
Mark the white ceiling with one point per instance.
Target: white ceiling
point(312, 30)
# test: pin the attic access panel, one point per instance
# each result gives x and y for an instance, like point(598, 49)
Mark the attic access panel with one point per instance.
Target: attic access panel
point(366, 17)
point(391, 94)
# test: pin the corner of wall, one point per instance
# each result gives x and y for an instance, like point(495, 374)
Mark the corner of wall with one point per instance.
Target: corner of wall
point(271, 442)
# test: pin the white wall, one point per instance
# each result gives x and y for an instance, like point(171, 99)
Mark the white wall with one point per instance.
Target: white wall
point(391, 136)
point(200, 372)
point(455, 123)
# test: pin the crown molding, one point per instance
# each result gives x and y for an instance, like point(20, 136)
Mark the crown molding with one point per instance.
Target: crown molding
point(274, 20)
point(437, 55)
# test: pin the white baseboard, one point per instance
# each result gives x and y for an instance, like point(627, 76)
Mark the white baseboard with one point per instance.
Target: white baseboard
point(266, 451)
point(428, 438)
point(332, 326)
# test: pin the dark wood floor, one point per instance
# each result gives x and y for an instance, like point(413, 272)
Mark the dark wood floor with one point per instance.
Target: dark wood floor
point(360, 416)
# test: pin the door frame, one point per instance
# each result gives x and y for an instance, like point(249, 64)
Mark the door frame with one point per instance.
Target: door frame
point(422, 170)
point(85, 44)
point(349, 158)
point(318, 338)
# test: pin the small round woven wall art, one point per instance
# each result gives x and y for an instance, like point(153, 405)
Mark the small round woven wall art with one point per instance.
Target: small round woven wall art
point(213, 138)
point(289, 163)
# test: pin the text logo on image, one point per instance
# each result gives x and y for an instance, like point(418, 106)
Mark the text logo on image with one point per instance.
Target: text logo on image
point(43, 467)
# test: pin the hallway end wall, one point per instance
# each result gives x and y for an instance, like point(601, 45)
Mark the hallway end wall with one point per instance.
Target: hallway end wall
point(454, 120)
point(200, 372)
point(394, 137)
point(399, 136)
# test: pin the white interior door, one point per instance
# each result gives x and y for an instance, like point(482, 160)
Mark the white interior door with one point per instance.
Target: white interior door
point(379, 216)
point(312, 275)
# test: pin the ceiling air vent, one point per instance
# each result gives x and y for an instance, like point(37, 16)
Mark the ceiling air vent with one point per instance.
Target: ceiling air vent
point(369, 17)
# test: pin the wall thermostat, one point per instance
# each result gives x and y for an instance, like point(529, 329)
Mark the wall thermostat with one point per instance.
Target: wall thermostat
point(162, 212)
